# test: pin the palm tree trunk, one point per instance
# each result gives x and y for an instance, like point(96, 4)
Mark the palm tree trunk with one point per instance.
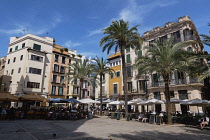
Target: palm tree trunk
point(125, 88)
point(168, 103)
point(101, 94)
point(80, 92)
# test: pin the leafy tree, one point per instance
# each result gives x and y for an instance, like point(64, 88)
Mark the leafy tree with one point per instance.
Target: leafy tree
point(164, 59)
point(81, 71)
point(101, 68)
point(119, 37)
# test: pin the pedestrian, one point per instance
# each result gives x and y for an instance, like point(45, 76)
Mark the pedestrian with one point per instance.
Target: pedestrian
point(3, 113)
point(204, 122)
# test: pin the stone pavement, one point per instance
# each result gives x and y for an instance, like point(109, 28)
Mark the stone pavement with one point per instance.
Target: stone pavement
point(101, 128)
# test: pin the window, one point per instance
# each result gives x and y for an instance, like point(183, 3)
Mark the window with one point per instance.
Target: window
point(157, 95)
point(54, 78)
point(115, 89)
point(75, 81)
point(37, 47)
point(112, 75)
point(19, 70)
point(8, 61)
point(127, 49)
point(37, 58)
point(33, 85)
point(35, 70)
point(21, 57)
point(23, 45)
point(62, 70)
point(56, 57)
point(129, 71)
point(129, 86)
point(53, 91)
point(118, 74)
point(60, 91)
point(63, 59)
point(183, 94)
point(189, 49)
point(14, 59)
point(172, 94)
point(10, 50)
point(128, 58)
point(56, 68)
point(12, 71)
point(62, 79)
point(16, 48)
point(139, 53)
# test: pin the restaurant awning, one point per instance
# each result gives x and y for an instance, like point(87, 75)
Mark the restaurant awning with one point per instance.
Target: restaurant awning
point(8, 97)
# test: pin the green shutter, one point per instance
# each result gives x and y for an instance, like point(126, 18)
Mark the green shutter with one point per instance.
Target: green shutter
point(139, 53)
point(127, 49)
point(128, 58)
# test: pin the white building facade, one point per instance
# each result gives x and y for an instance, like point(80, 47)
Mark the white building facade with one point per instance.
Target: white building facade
point(28, 64)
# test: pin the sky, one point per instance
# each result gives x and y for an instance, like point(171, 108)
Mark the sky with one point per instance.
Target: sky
point(78, 24)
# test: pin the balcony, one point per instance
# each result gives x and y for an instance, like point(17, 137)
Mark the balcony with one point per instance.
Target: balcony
point(194, 80)
point(181, 81)
point(158, 84)
point(189, 37)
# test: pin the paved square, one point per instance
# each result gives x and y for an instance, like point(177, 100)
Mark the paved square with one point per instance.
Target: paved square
point(96, 129)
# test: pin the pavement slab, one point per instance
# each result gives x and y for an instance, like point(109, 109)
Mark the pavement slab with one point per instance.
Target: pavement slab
point(99, 128)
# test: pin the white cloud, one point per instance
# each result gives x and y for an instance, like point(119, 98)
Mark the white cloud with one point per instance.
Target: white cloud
point(97, 31)
point(70, 44)
point(88, 53)
point(30, 27)
point(135, 12)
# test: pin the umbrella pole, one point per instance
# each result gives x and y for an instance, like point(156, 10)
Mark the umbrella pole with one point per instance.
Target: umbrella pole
point(198, 109)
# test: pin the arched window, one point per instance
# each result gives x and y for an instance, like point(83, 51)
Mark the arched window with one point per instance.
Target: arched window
point(189, 49)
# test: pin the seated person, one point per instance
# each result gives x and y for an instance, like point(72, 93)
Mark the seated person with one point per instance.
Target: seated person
point(142, 117)
point(204, 121)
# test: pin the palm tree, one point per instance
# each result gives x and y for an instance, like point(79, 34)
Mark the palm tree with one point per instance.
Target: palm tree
point(164, 59)
point(205, 40)
point(80, 71)
point(119, 36)
point(101, 68)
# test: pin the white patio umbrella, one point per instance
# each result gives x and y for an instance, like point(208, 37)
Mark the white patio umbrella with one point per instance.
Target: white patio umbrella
point(154, 101)
point(107, 101)
point(88, 101)
point(138, 100)
point(196, 102)
point(117, 103)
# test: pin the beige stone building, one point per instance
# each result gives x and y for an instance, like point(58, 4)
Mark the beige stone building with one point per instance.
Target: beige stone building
point(152, 86)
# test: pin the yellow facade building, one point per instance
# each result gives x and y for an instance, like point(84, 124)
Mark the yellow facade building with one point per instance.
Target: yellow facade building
point(115, 80)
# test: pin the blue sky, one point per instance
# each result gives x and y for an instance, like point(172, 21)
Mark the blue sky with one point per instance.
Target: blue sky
point(77, 24)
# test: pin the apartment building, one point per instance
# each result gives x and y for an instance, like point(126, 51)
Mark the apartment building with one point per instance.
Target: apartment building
point(115, 80)
point(181, 86)
point(58, 85)
point(3, 78)
point(151, 85)
point(28, 64)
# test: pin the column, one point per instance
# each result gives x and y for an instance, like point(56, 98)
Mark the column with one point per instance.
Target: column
point(181, 35)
